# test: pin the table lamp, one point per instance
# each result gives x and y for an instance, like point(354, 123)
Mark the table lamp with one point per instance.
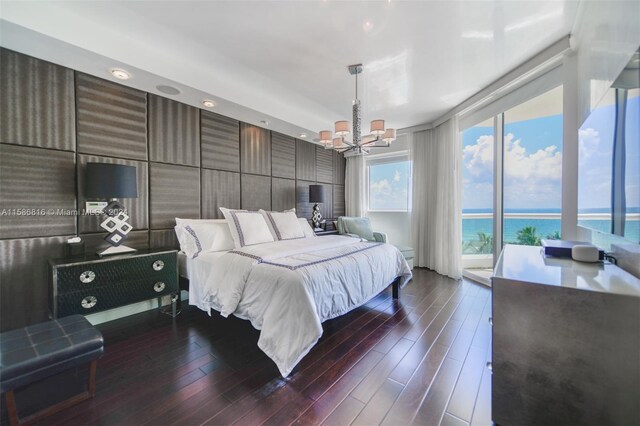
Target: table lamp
point(112, 181)
point(316, 195)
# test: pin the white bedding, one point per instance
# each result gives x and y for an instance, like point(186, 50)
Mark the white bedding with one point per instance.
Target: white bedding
point(288, 288)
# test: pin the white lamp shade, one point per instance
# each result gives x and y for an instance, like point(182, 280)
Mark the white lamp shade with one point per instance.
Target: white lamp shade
point(389, 135)
point(377, 127)
point(342, 128)
point(325, 136)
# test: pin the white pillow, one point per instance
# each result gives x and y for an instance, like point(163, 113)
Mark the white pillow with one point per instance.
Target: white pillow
point(247, 228)
point(207, 235)
point(306, 228)
point(283, 225)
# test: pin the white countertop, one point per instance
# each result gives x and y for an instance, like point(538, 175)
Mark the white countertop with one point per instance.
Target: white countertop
point(528, 263)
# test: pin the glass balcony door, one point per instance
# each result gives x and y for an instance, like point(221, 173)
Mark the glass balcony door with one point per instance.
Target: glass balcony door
point(512, 178)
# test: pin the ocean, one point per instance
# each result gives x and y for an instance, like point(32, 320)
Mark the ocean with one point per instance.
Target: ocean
point(544, 226)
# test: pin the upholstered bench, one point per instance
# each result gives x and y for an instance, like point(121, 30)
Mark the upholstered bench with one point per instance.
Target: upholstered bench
point(361, 227)
point(41, 350)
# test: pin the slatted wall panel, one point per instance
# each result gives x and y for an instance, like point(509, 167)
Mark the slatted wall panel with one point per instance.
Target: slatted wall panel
point(33, 179)
point(283, 156)
point(165, 238)
point(324, 165)
point(283, 194)
point(219, 189)
point(339, 165)
point(174, 132)
point(175, 192)
point(137, 208)
point(326, 208)
point(24, 279)
point(111, 119)
point(220, 142)
point(255, 192)
point(305, 161)
point(338, 201)
point(37, 105)
point(255, 150)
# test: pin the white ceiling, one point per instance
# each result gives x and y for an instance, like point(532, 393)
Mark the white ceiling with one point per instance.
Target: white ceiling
point(286, 61)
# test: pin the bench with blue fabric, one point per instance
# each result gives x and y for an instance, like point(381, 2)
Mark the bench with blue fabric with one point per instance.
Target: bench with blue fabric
point(38, 351)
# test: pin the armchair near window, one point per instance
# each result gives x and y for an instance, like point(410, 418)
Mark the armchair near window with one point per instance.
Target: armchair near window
point(361, 227)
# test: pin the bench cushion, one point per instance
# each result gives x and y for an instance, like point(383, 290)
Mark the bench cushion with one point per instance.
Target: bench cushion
point(406, 251)
point(32, 353)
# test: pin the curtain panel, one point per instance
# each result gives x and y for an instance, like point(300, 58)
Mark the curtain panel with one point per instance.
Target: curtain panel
point(355, 186)
point(436, 214)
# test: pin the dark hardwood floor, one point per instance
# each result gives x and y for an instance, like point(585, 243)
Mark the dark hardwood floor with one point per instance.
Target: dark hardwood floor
point(419, 360)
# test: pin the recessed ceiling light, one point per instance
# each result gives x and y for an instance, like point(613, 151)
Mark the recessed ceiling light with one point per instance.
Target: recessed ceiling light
point(208, 103)
point(168, 90)
point(120, 74)
point(265, 122)
point(303, 135)
point(367, 26)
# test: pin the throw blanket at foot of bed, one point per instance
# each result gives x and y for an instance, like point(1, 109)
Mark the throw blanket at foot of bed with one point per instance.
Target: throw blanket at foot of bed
point(288, 288)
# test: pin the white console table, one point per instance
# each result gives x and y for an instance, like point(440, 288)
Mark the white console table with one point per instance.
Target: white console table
point(566, 341)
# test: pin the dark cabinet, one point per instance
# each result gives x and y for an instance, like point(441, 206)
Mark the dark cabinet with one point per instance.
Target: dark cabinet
point(91, 284)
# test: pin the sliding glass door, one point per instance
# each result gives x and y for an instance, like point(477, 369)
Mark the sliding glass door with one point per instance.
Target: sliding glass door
point(477, 195)
point(532, 152)
point(512, 171)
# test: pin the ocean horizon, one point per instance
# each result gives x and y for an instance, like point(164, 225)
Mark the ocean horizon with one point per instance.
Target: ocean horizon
point(545, 227)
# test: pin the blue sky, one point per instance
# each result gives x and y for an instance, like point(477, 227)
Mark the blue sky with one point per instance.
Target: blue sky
point(533, 165)
point(533, 162)
point(388, 186)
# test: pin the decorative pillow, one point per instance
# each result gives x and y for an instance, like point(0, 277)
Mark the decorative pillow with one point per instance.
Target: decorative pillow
point(247, 228)
point(306, 228)
point(283, 226)
point(208, 235)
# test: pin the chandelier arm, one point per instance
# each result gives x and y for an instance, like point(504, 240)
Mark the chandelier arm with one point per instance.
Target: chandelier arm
point(377, 139)
point(381, 146)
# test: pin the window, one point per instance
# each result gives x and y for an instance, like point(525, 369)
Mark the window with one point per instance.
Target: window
point(389, 181)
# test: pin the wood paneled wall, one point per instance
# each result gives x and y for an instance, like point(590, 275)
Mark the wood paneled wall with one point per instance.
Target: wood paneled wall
point(189, 162)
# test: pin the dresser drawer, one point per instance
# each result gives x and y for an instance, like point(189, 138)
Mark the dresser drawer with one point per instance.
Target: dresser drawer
point(97, 299)
point(158, 267)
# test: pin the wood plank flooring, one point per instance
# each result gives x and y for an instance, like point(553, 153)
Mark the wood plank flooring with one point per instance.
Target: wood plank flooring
point(420, 360)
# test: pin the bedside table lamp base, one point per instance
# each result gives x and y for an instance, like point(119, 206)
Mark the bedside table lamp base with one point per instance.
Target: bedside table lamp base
point(116, 250)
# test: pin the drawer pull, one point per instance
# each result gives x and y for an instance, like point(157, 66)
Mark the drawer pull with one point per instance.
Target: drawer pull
point(87, 276)
point(158, 265)
point(89, 302)
point(490, 366)
point(159, 286)
point(491, 320)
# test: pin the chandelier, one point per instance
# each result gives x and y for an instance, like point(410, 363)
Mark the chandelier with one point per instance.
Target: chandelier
point(379, 137)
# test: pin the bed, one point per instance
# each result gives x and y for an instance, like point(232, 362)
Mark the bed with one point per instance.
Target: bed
point(288, 288)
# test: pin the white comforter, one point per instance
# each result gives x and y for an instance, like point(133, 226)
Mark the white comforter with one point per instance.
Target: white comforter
point(288, 288)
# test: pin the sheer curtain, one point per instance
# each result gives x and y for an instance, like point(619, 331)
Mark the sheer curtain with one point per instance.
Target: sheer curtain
point(436, 209)
point(355, 186)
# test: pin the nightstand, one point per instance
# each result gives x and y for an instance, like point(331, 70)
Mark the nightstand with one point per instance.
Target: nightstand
point(323, 233)
point(89, 284)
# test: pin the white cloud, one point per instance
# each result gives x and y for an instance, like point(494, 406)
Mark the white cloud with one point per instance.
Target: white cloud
point(532, 178)
point(544, 164)
point(381, 187)
point(589, 142)
point(396, 176)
